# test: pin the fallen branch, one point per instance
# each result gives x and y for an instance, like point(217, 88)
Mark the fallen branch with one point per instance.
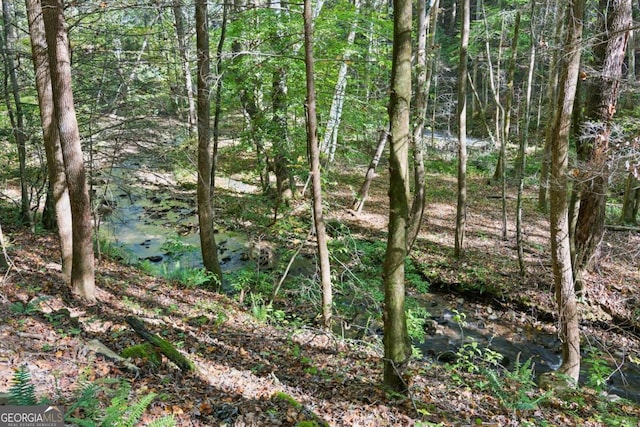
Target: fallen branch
point(164, 346)
point(635, 229)
point(99, 348)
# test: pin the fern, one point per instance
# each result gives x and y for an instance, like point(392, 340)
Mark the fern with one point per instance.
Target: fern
point(22, 391)
point(88, 402)
point(124, 413)
point(168, 421)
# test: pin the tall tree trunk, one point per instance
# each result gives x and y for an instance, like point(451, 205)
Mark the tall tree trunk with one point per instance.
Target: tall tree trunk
point(16, 115)
point(82, 271)
point(280, 137)
point(593, 152)
point(522, 148)
point(314, 155)
point(330, 138)
point(178, 15)
point(420, 112)
point(397, 347)
point(558, 194)
point(218, 97)
point(55, 163)
point(506, 126)
point(552, 100)
point(205, 209)
point(461, 210)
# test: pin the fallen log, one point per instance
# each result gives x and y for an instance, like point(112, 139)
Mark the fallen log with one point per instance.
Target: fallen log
point(163, 345)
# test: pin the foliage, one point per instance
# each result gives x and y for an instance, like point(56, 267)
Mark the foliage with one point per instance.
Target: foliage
point(22, 392)
point(472, 358)
point(19, 307)
point(598, 370)
point(122, 411)
point(189, 277)
point(251, 280)
point(516, 389)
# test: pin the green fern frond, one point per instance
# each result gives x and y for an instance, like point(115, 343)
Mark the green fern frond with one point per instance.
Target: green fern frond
point(168, 421)
point(134, 413)
point(22, 391)
point(86, 401)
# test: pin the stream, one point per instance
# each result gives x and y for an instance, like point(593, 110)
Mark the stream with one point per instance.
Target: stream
point(516, 337)
point(152, 222)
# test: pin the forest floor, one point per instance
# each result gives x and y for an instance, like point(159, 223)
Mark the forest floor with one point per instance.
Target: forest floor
point(270, 373)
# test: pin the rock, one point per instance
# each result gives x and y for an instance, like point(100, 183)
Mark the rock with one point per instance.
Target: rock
point(154, 258)
point(556, 381)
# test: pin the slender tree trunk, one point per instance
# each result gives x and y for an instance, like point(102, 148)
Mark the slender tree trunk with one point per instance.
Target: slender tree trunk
point(205, 210)
point(558, 192)
point(506, 130)
point(420, 112)
point(314, 155)
point(16, 115)
point(461, 210)
point(281, 146)
point(55, 163)
point(218, 97)
point(397, 346)
point(602, 96)
point(358, 203)
point(631, 199)
point(552, 96)
point(82, 271)
point(330, 138)
point(522, 149)
point(184, 57)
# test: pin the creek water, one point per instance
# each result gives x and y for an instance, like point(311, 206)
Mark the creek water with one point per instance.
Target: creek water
point(152, 221)
point(517, 338)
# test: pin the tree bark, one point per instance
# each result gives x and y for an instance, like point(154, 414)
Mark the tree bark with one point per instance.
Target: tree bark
point(16, 115)
point(358, 203)
point(551, 96)
point(593, 151)
point(330, 139)
point(558, 192)
point(184, 57)
point(82, 271)
point(522, 148)
point(631, 200)
point(397, 346)
point(208, 245)
point(55, 163)
point(461, 210)
point(420, 113)
point(314, 155)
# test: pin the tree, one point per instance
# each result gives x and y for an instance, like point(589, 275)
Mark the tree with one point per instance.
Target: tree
point(397, 347)
point(424, 68)
point(314, 155)
point(593, 150)
point(461, 211)
point(208, 245)
point(184, 57)
point(59, 192)
point(82, 270)
point(16, 115)
point(558, 194)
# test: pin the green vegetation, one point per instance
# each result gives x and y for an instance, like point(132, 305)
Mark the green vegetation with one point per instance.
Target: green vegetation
point(119, 410)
